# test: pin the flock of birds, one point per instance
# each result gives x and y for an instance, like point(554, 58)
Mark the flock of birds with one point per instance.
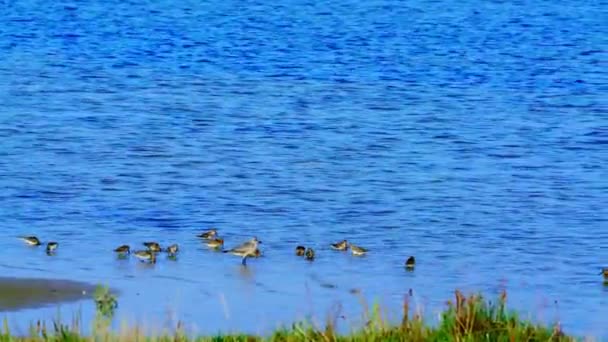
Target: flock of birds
point(248, 249)
point(245, 250)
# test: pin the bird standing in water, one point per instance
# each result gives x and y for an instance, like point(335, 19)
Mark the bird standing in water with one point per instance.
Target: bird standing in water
point(245, 250)
point(215, 243)
point(173, 249)
point(124, 249)
point(30, 240)
point(356, 250)
point(410, 263)
point(340, 246)
point(153, 246)
point(309, 254)
point(146, 255)
point(210, 234)
point(51, 247)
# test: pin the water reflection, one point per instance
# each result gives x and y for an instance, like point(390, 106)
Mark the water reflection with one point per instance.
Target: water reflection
point(246, 273)
point(143, 265)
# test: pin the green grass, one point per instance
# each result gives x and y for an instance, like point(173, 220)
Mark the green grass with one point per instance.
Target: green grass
point(464, 319)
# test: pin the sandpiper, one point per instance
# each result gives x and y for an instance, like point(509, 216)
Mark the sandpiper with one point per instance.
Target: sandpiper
point(153, 246)
point(358, 251)
point(124, 249)
point(51, 247)
point(340, 246)
point(245, 250)
point(210, 234)
point(215, 243)
point(300, 250)
point(173, 249)
point(30, 240)
point(146, 255)
point(310, 254)
point(410, 263)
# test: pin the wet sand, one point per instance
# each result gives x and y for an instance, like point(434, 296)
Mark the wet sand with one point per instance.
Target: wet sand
point(20, 293)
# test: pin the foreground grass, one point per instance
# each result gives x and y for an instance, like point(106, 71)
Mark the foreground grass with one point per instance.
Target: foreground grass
point(465, 319)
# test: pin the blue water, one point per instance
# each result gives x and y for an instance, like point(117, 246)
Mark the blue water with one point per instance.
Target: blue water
point(473, 135)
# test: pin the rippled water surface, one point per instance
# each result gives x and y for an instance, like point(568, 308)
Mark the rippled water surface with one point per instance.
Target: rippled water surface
point(472, 135)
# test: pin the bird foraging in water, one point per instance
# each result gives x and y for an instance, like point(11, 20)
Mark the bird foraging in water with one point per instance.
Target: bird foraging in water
point(215, 243)
point(51, 247)
point(30, 240)
point(310, 254)
point(300, 250)
point(146, 255)
point(173, 249)
point(245, 250)
point(153, 246)
point(340, 246)
point(210, 234)
point(410, 263)
point(124, 249)
point(356, 250)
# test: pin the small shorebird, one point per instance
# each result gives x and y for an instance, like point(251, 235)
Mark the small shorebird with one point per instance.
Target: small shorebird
point(30, 240)
point(153, 246)
point(124, 249)
point(210, 234)
point(410, 263)
point(245, 250)
point(51, 247)
point(300, 250)
point(146, 255)
point(215, 243)
point(604, 272)
point(340, 246)
point(310, 254)
point(173, 249)
point(358, 251)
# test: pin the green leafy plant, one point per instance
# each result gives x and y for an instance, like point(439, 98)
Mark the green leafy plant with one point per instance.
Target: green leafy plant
point(105, 301)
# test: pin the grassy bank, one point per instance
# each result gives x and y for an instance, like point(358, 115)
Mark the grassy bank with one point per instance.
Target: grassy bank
point(469, 318)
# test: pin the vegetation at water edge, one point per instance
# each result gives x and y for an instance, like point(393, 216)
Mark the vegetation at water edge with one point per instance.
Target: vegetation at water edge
point(466, 318)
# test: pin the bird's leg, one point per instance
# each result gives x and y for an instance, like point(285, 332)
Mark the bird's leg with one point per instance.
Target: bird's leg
point(244, 262)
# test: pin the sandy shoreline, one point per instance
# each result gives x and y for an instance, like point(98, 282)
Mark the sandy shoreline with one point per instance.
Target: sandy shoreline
point(20, 293)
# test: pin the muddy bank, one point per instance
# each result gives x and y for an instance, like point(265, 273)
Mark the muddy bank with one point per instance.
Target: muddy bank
point(19, 293)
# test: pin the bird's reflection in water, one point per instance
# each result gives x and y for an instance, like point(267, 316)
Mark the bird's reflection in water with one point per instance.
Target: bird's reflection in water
point(122, 264)
point(141, 265)
point(122, 257)
point(247, 284)
point(245, 273)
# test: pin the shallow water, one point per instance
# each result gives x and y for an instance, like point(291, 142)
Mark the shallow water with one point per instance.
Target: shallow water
point(473, 137)
point(20, 293)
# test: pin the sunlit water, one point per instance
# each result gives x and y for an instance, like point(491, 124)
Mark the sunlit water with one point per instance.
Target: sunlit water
point(474, 138)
